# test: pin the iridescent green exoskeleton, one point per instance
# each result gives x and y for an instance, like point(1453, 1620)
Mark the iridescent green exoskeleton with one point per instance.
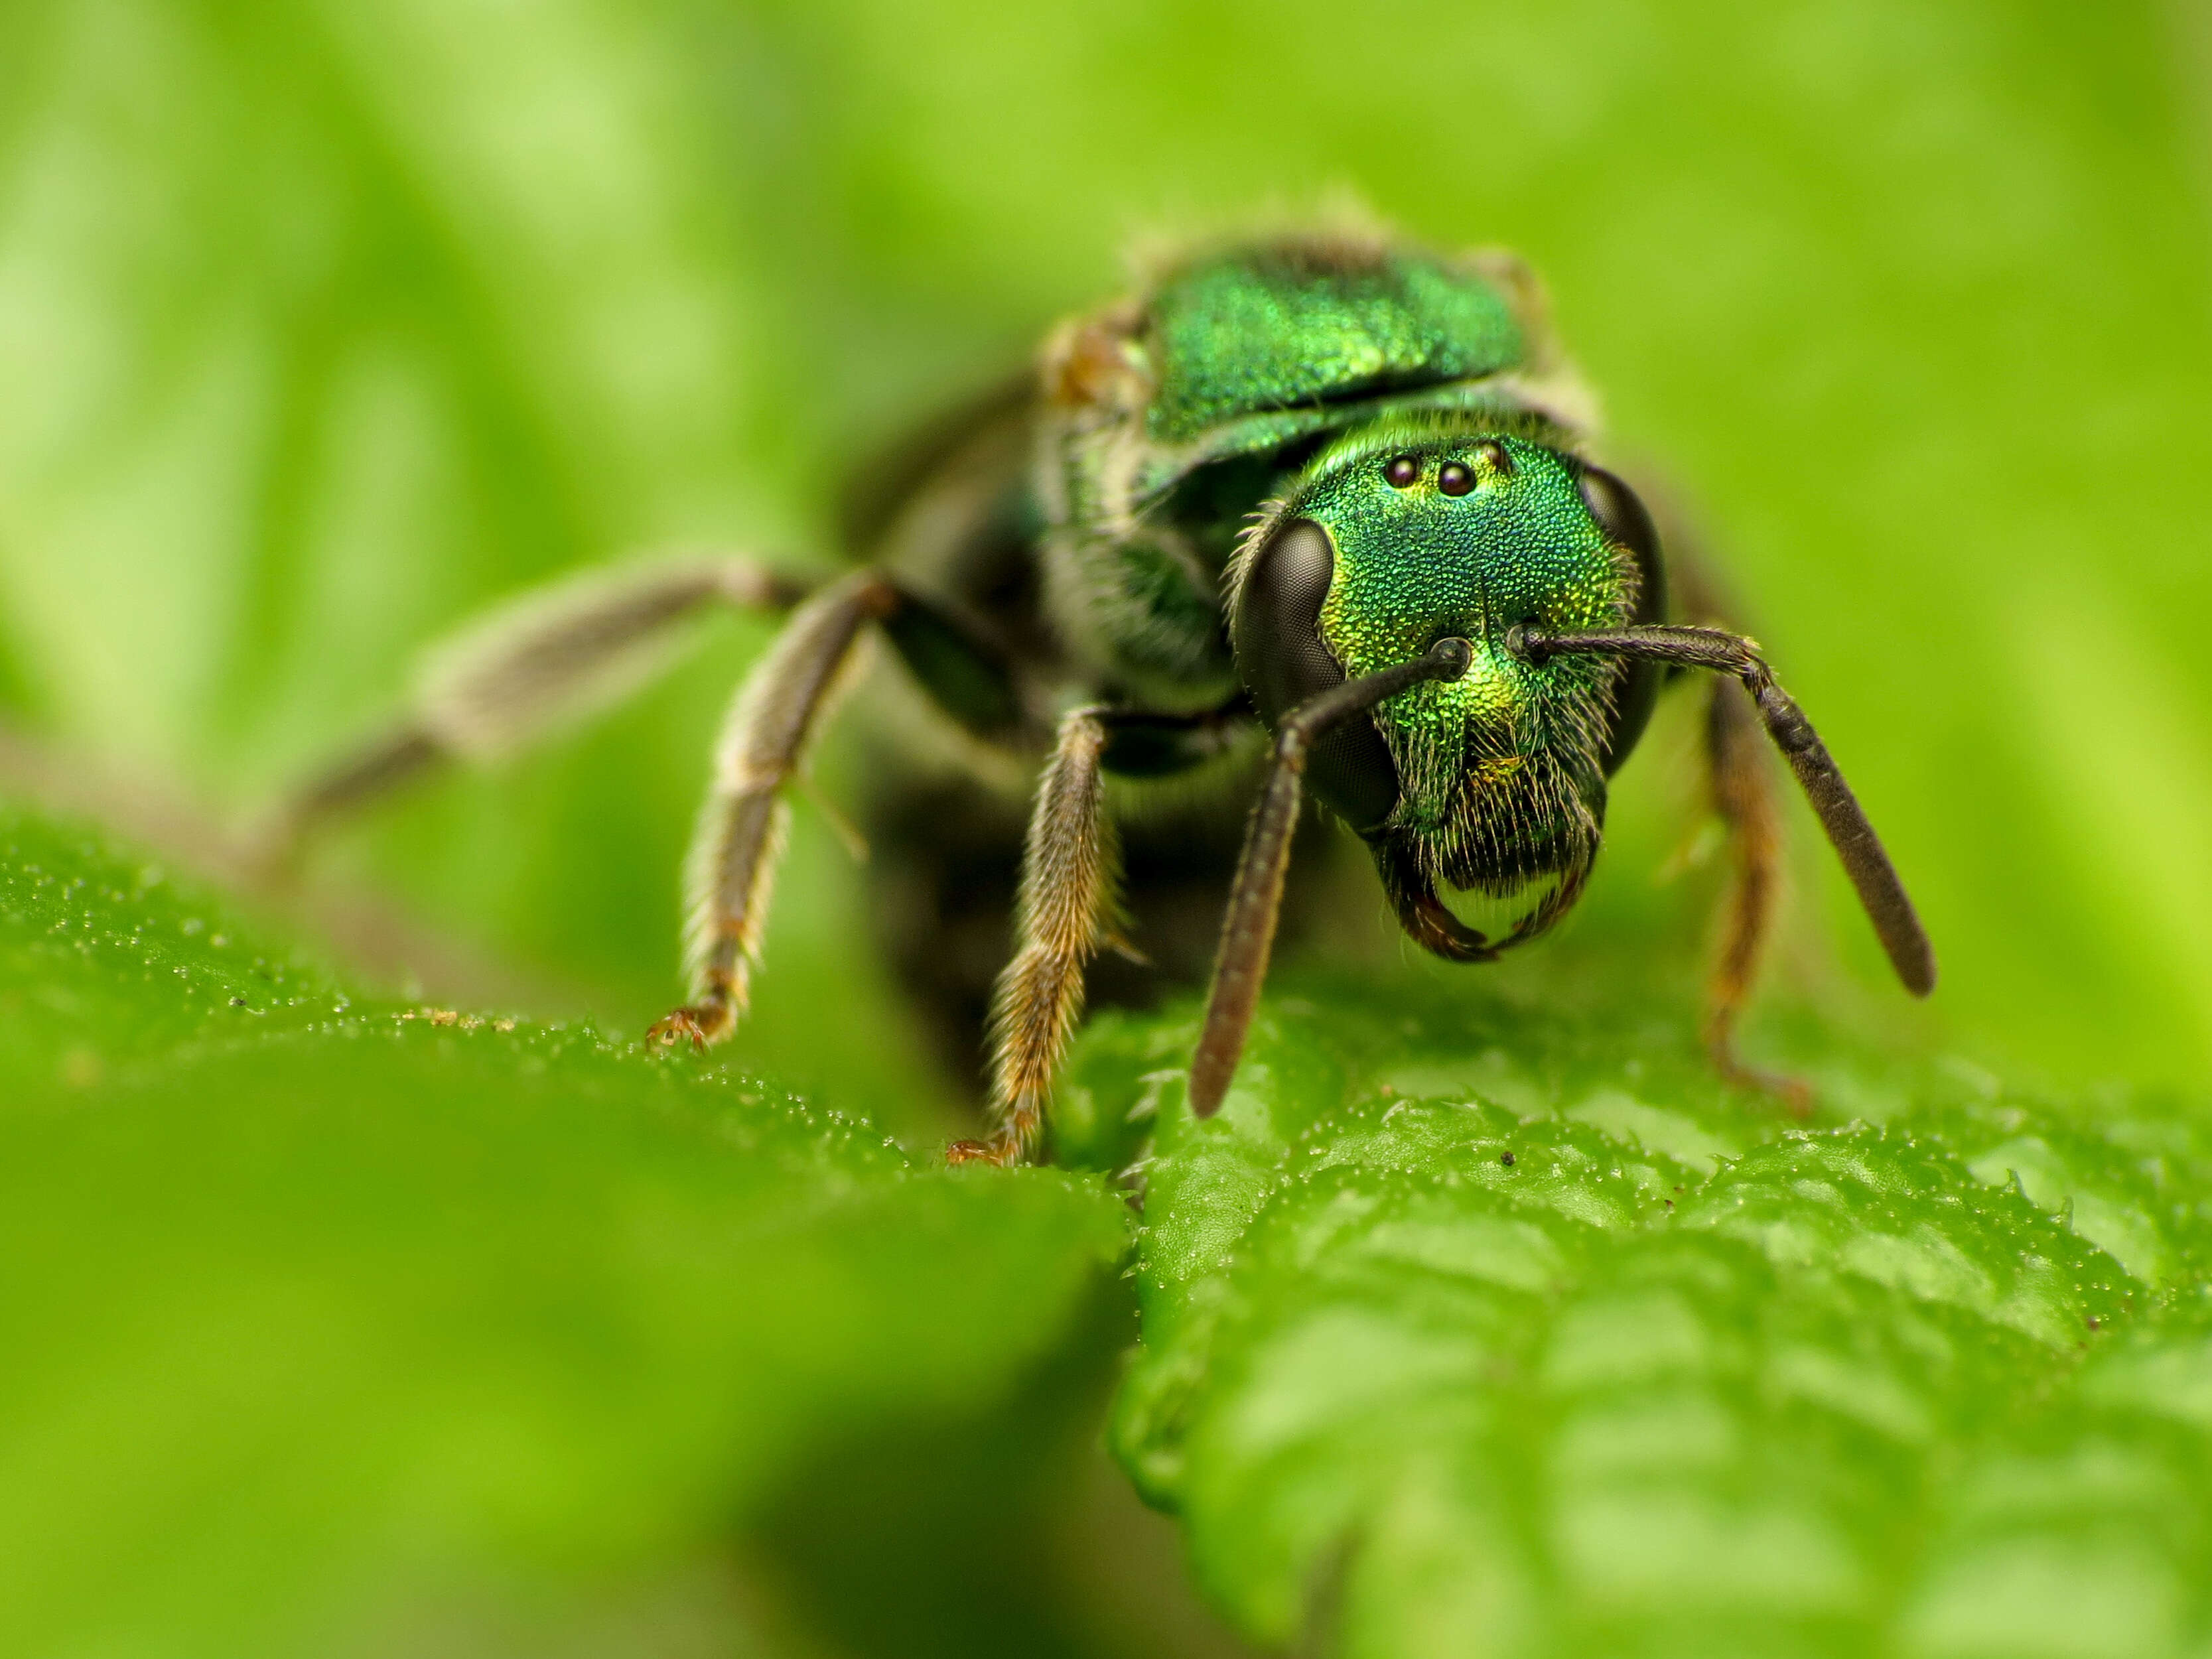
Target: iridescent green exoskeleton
point(1332, 490)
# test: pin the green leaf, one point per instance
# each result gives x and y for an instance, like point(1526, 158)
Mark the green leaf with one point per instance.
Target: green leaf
point(316, 1309)
point(1477, 1329)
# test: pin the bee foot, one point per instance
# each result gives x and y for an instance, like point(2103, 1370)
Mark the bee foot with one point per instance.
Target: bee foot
point(1001, 1152)
point(700, 1025)
point(1793, 1094)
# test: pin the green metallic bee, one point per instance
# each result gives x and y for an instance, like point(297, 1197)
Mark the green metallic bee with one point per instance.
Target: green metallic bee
point(1330, 485)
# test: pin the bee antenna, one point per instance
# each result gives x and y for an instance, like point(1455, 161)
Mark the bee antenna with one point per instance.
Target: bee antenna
point(1248, 931)
point(1880, 891)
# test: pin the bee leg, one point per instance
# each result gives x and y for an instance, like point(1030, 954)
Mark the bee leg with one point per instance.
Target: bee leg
point(531, 664)
point(1069, 901)
point(1248, 930)
point(1880, 891)
point(1069, 876)
point(740, 836)
point(1742, 785)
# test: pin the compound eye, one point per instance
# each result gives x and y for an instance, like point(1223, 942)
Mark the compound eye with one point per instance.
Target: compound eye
point(1277, 629)
point(1620, 515)
point(1283, 661)
point(1623, 521)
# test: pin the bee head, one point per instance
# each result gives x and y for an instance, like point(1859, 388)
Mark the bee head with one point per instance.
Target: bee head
point(1486, 791)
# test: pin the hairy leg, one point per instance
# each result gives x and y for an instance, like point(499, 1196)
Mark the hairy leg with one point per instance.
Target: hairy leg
point(1741, 787)
point(1068, 875)
point(1068, 897)
point(543, 660)
point(1741, 781)
point(945, 872)
point(741, 828)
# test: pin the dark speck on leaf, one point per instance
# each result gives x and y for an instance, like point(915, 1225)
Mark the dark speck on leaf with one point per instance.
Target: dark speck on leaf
point(1506, 1159)
point(238, 1002)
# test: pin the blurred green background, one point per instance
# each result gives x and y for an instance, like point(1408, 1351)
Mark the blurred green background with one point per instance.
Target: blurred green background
point(322, 323)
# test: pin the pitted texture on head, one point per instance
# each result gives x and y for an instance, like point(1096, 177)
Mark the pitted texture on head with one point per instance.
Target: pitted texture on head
point(1439, 533)
point(1297, 323)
